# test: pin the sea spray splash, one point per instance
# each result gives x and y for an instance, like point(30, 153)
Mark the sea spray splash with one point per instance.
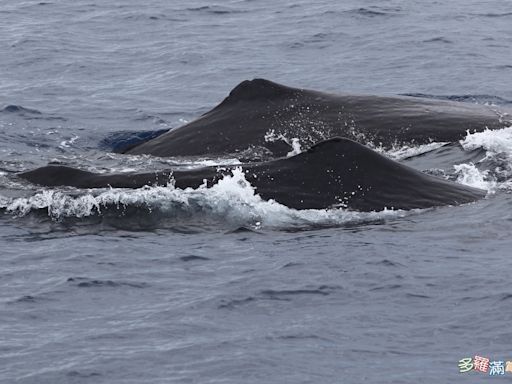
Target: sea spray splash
point(233, 199)
point(493, 141)
point(400, 152)
point(294, 143)
point(469, 174)
point(495, 169)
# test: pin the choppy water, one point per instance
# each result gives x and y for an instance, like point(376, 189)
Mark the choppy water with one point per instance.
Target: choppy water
point(216, 286)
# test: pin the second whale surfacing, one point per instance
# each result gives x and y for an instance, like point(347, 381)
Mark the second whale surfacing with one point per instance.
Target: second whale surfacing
point(260, 114)
point(334, 173)
point(335, 170)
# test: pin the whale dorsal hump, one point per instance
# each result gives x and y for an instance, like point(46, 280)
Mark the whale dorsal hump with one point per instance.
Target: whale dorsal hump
point(259, 89)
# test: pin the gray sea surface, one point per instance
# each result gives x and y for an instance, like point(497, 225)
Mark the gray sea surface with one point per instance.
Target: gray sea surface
point(160, 285)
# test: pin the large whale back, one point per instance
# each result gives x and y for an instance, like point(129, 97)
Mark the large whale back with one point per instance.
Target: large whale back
point(335, 173)
point(261, 114)
point(340, 172)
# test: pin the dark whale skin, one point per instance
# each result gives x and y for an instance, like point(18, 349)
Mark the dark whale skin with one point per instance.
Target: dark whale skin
point(255, 108)
point(334, 173)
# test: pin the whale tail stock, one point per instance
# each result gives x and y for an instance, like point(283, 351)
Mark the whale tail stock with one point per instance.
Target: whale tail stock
point(334, 173)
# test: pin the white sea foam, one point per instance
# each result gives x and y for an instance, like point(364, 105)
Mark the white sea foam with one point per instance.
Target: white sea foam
point(498, 147)
point(494, 142)
point(68, 143)
point(470, 175)
point(403, 152)
point(232, 199)
point(294, 143)
point(296, 148)
point(400, 152)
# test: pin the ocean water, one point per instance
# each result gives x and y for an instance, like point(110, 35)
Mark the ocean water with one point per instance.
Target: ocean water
point(161, 285)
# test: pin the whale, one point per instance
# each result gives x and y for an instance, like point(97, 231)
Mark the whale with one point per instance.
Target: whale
point(335, 173)
point(261, 119)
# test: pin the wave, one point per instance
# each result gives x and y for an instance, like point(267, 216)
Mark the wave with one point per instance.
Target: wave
point(494, 15)
point(401, 152)
point(232, 200)
point(216, 10)
point(493, 141)
point(29, 113)
point(494, 171)
point(439, 39)
point(19, 109)
point(375, 11)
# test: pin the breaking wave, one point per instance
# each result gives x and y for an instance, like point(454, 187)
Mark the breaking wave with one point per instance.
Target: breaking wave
point(494, 171)
point(401, 152)
point(232, 199)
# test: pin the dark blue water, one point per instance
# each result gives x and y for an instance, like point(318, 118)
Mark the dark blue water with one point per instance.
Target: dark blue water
point(217, 286)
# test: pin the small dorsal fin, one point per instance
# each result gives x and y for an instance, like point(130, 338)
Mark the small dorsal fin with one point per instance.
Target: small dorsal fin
point(259, 88)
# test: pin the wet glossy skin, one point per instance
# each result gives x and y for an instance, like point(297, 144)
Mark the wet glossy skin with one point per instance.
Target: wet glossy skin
point(258, 110)
point(333, 173)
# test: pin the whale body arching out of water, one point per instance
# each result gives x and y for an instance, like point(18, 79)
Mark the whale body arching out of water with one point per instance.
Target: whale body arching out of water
point(260, 113)
point(334, 173)
point(335, 170)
